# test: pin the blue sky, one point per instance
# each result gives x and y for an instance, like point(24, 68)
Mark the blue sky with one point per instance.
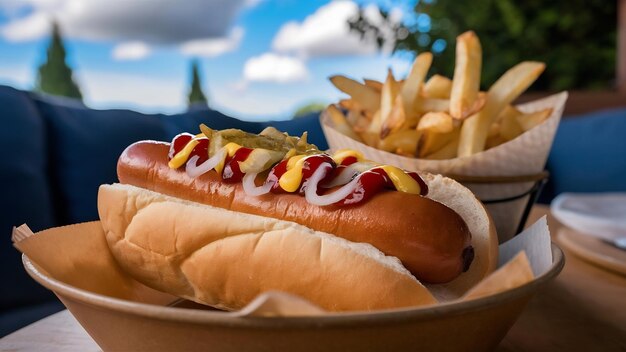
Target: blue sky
point(260, 59)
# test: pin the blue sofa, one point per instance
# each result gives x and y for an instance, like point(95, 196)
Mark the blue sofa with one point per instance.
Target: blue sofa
point(56, 152)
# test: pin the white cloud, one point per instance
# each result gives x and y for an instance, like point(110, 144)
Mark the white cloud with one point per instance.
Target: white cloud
point(131, 51)
point(253, 106)
point(149, 21)
point(271, 67)
point(20, 76)
point(324, 33)
point(32, 27)
point(213, 47)
point(239, 86)
point(252, 3)
point(109, 89)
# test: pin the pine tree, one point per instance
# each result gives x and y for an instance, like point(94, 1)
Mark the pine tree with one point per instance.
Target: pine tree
point(55, 76)
point(196, 96)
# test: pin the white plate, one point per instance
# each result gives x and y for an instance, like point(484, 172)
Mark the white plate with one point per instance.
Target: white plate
point(601, 215)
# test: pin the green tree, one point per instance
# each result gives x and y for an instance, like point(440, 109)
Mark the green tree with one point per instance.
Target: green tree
point(575, 38)
point(55, 76)
point(196, 96)
point(310, 108)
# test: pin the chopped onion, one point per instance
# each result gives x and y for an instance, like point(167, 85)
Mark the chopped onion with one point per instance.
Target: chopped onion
point(250, 187)
point(311, 195)
point(170, 154)
point(194, 170)
point(349, 173)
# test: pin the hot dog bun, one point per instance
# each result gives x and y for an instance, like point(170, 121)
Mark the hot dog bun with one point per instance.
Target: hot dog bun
point(168, 235)
point(225, 258)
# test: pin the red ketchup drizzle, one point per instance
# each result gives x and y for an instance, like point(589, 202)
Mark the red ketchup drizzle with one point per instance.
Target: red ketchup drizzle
point(370, 183)
point(178, 143)
point(232, 173)
point(311, 163)
point(275, 175)
point(349, 160)
point(201, 149)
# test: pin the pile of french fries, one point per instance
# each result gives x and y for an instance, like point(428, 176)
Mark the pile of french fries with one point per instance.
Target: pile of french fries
point(437, 118)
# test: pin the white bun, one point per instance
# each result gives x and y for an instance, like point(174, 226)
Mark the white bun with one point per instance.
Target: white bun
point(224, 258)
point(484, 238)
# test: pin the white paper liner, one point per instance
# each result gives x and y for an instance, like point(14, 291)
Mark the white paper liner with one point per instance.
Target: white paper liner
point(525, 155)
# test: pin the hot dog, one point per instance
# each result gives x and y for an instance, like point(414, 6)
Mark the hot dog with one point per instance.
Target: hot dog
point(435, 227)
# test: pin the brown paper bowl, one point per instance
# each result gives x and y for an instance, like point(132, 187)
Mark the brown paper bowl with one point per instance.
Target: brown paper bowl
point(120, 325)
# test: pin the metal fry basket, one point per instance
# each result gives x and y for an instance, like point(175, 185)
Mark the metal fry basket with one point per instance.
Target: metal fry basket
point(508, 198)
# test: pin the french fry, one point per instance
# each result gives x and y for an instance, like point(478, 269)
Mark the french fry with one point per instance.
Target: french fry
point(413, 84)
point(378, 86)
point(431, 104)
point(447, 152)
point(494, 130)
point(361, 124)
point(439, 122)
point(365, 96)
point(405, 140)
point(529, 121)
point(371, 136)
point(430, 142)
point(438, 87)
point(509, 127)
point(349, 104)
point(341, 125)
point(495, 141)
point(396, 119)
point(387, 100)
point(353, 116)
point(370, 139)
point(506, 89)
point(466, 80)
point(401, 151)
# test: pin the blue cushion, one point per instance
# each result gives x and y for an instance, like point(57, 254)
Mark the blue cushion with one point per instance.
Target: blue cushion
point(189, 122)
point(14, 319)
point(23, 173)
point(84, 145)
point(589, 153)
point(24, 195)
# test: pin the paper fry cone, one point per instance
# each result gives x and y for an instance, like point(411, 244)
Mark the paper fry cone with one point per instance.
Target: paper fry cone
point(525, 155)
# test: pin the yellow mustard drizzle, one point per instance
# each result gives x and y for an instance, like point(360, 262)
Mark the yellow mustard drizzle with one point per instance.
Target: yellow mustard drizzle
point(181, 157)
point(401, 180)
point(342, 154)
point(291, 179)
point(290, 153)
